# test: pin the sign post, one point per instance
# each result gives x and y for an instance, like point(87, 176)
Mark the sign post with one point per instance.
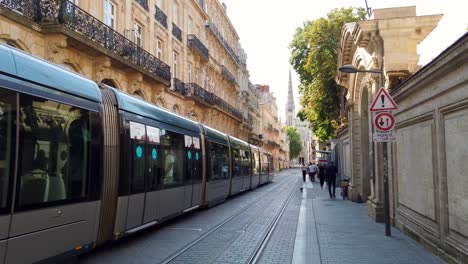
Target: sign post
point(384, 122)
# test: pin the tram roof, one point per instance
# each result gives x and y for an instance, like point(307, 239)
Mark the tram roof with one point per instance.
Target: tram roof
point(25, 66)
point(238, 142)
point(215, 135)
point(143, 108)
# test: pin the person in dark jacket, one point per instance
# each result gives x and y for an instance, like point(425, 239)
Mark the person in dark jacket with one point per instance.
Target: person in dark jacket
point(331, 172)
point(321, 174)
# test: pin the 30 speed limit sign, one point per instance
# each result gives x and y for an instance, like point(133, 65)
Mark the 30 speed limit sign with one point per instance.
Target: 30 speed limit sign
point(384, 121)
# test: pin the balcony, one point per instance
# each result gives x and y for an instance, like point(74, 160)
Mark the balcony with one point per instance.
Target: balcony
point(61, 16)
point(194, 43)
point(176, 32)
point(219, 36)
point(179, 86)
point(161, 17)
point(228, 75)
point(199, 94)
point(143, 3)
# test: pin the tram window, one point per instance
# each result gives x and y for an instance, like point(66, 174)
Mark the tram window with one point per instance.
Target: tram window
point(153, 160)
point(138, 142)
point(236, 162)
point(7, 141)
point(174, 156)
point(196, 165)
point(218, 166)
point(256, 165)
point(246, 163)
point(53, 158)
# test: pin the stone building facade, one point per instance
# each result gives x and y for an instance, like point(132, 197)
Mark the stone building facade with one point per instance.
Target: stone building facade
point(184, 56)
point(427, 163)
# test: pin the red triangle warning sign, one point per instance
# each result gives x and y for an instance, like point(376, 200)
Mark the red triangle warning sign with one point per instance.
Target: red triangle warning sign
point(383, 102)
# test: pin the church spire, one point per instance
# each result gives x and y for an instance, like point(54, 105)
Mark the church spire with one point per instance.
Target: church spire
point(290, 111)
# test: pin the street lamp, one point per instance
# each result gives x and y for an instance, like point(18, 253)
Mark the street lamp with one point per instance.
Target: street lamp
point(349, 68)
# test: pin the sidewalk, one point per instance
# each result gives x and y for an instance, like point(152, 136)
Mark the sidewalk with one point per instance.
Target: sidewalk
point(337, 231)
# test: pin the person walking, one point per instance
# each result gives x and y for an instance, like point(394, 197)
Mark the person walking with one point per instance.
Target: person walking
point(304, 172)
point(312, 171)
point(321, 174)
point(331, 172)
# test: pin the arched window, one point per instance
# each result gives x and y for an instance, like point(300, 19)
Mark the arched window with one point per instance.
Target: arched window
point(109, 82)
point(176, 109)
point(139, 94)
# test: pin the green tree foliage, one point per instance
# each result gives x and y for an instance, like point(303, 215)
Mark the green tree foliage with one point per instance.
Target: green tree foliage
point(295, 143)
point(314, 55)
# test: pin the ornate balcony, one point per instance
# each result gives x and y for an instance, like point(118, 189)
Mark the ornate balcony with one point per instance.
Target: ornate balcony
point(179, 86)
point(143, 3)
point(194, 43)
point(198, 93)
point(161, 17)
point(176, 32)
point(228, 75)
point(88, 30)
point(219, 36)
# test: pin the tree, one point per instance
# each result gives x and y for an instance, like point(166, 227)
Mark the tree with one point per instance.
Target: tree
point(314, 55)
point(295, 144)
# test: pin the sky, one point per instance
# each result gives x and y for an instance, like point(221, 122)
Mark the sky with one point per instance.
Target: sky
point(266, 28)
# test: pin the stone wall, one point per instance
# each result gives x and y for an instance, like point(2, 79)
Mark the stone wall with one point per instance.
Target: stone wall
point(430, 157)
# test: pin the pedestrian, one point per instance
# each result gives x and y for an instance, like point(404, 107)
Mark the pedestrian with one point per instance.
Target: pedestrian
point(312, 171)
point(331, 172)
point(304, 172)
point(321, 174)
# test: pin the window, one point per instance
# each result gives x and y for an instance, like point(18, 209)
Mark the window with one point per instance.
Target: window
point(54, 152)
point(138, 148)
point(217, 161)
point(159, 49)
point(7, 143)
point(175, 57)
point(173, 148)
point(138, 34)
point(236, 159)
point(109, 13)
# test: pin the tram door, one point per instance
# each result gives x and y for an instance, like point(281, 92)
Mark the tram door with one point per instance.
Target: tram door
point(192, 192)
point(136, 200)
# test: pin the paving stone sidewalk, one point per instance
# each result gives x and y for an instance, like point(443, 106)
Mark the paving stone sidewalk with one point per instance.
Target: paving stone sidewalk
point(337, 231)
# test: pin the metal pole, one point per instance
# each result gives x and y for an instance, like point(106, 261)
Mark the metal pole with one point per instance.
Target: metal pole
point(386, 195)
point(388, 231)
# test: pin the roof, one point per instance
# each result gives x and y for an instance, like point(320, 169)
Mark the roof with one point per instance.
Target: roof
point(25, 66)
point(137, 106)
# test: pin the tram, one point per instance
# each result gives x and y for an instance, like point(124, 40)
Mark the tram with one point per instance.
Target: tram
point(82, 164)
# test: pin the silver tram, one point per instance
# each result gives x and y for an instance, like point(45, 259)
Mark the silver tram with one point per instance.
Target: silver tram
point(82, 164)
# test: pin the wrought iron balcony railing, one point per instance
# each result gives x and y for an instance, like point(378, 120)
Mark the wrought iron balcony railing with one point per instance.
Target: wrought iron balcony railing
point(143, 3)
point(65, 13)
point(176, 32)
point(215, 31)
point(161, 17)
point(197, 45)
point(195, 91)
point(179, 86)
point(228, 75)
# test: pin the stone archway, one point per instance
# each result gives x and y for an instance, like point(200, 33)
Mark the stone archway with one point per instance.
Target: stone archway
point(110, 82)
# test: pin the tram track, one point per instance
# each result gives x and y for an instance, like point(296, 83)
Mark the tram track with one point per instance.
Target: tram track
point(256, 256)
point(263, 204)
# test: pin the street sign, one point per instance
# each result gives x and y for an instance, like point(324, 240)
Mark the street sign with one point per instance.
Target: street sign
point(384, 136)
point(383, 102)
point(384, 121)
